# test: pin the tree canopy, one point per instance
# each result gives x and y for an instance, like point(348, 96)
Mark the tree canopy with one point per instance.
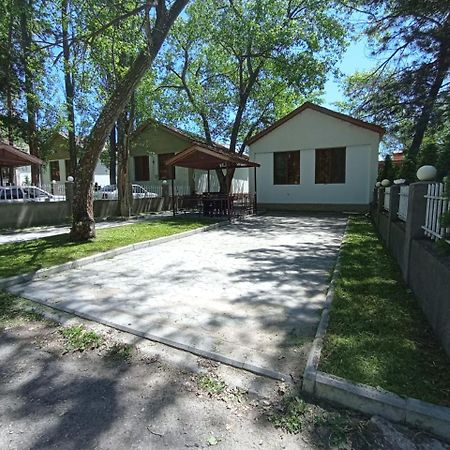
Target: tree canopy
point(232, 67)
point(408, 92)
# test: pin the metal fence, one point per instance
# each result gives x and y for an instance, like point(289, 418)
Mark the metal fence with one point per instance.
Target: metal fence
point(437, 205)
point(216, 205)
point(403, 203)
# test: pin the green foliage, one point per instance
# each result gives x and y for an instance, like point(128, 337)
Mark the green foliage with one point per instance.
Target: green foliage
point(407, 92)
point(293, 415)
point(428, 154)
point(443, 160)
point(120, 352)
point(233, 68)
point(211, 384)
point(442, 247)
point(339, 428)
point(389, 171)
point(444, 220)
point(79, 339)
point(14, 311)
point(378, 334)
point(28, 256)
point(408, 169)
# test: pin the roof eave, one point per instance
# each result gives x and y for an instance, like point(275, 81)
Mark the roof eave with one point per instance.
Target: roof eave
point(309, 105)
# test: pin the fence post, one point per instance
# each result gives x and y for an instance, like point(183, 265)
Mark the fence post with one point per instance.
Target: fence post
point(379, 205)
point(69, 196)
point(417, 204)
point(394, 200)
point(165, 195)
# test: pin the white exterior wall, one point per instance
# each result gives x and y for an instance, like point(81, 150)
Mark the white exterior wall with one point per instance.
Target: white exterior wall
point(239, 184)
point(306, 132)
point(101, 173)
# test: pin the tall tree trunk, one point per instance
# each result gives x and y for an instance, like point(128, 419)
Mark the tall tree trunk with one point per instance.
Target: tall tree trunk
point(430, 101)
point(112, 156)
point(33, 144)
point(9, 72)
point(124, 129)
point(70, 88)
point(83, 225)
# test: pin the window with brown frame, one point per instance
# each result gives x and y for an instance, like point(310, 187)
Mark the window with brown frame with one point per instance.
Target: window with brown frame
point(141, 168)
point(165, 172)
point(54, 171)
point(286, 167)
point(330, 165)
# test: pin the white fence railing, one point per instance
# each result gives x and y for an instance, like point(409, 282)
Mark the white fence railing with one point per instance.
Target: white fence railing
point(437, 204)
point(387, 198)
point(27, 193)
point(403, 203)
point(54, 188)
point(180, 189)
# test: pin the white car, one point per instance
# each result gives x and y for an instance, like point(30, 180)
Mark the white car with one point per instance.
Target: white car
point(26, 194)
point(110, 192)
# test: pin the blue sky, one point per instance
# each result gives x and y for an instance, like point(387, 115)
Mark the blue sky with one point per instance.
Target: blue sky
point(356, 58)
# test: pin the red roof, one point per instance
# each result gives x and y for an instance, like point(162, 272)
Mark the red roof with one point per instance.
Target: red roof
point(321, 109)
point(204, 157)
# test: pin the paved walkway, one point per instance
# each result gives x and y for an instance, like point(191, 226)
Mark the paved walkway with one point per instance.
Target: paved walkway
point(252, 292)
point(28, 234)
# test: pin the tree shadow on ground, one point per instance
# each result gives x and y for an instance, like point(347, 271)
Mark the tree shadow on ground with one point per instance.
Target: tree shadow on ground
point(270, 302)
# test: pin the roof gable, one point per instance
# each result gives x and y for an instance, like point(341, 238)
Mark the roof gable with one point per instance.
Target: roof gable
point(320, 109)
point(205, 157)
point(188, 137)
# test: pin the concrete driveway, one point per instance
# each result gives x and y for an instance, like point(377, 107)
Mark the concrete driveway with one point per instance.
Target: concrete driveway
point(248, 294)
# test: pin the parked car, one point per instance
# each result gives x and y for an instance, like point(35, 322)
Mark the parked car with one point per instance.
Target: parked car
point(26, 194)
point(110, 192)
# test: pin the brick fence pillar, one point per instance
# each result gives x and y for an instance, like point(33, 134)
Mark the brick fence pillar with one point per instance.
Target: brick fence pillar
point(417, 204)
point(394, 200)
point(379, 205)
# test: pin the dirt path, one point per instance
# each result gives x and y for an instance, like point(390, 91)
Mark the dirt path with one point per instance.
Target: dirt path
point(74, 401)
point(140, 399)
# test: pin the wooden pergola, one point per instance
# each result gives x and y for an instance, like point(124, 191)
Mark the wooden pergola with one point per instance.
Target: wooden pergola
point(206, 157)
point(11, 157)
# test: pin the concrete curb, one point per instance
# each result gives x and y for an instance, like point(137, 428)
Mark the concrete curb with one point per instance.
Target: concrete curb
point(365, 398)
point(18, 279)
point(177, 344)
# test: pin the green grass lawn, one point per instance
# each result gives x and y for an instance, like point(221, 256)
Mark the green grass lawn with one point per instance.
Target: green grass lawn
point(23, 257)
point(378, 334)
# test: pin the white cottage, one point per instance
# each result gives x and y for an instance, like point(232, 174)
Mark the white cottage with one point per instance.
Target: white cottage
point(316, 159)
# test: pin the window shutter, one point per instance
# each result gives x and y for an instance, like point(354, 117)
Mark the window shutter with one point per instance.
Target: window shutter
point(141, 168)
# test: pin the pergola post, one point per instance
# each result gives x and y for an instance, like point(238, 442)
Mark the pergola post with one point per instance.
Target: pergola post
point(207, 158)
point(255, 204)
point(173, 198)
